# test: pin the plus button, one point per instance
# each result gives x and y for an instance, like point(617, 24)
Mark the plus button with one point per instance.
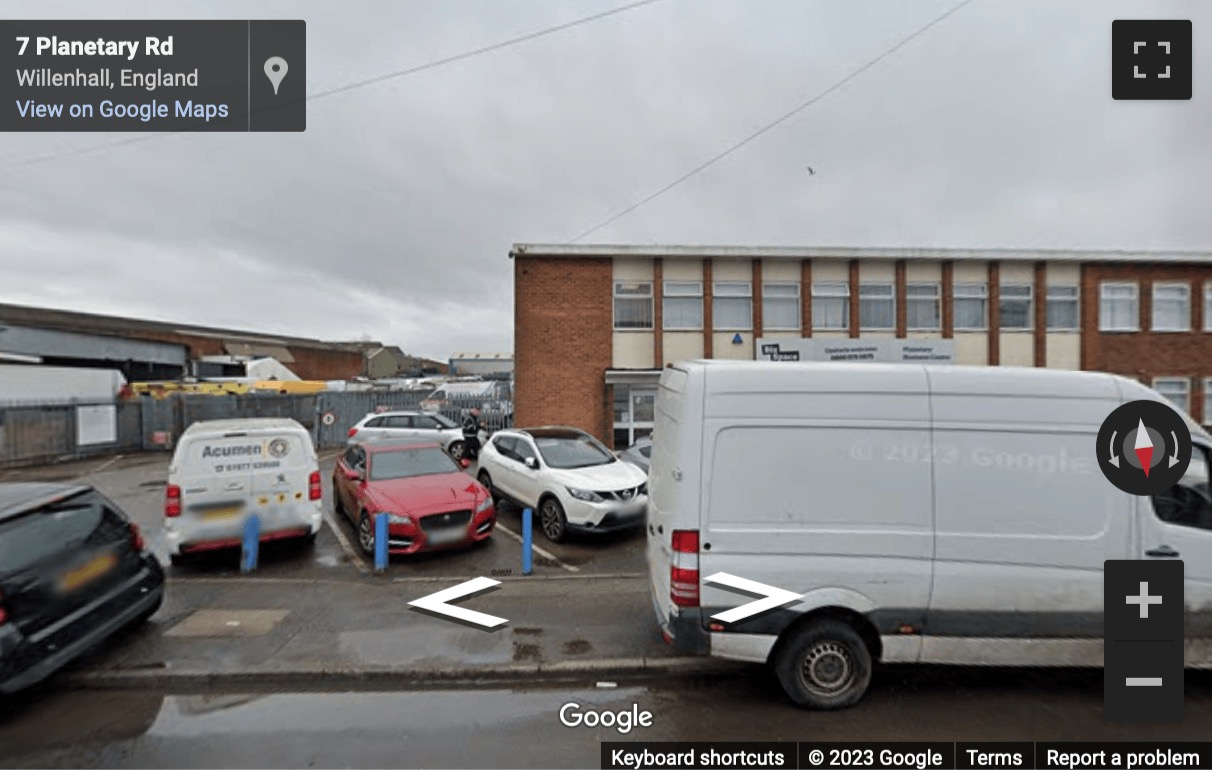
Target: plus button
point(1144, 600)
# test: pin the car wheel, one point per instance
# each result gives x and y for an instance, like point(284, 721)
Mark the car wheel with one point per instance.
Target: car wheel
point(457, 449)
point(366, 535)
point(825, 665)
point(552, 520)
point(147, 613)
point(486, 480)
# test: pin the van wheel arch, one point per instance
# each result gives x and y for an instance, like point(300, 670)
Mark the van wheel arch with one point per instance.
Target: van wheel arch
point(864, 627)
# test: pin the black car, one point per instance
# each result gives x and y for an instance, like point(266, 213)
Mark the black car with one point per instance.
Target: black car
point(73, 570)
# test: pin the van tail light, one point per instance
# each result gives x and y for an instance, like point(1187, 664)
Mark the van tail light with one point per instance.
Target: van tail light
point(172, 501)
point(136, 537)
point(684, 572)
point(313, 486)
point(353, 432)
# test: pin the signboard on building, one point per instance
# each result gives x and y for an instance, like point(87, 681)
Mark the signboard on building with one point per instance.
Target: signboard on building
point(884, 351)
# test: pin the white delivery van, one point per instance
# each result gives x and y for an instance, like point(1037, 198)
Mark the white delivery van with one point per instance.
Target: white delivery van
point(943, 514)
point(224, 471)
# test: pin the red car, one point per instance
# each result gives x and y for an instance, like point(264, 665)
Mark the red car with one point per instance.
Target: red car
point(428, 499)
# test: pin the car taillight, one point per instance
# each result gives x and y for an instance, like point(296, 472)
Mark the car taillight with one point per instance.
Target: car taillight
point(684, 572)
point(172, 501)
point(136, 537)
point(353, 432)
point(313, 486)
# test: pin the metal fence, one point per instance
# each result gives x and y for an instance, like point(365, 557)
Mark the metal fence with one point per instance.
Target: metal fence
point(31, 435)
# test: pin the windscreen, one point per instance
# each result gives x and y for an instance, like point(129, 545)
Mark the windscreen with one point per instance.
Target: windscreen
point(407, 463)
point(573, 452)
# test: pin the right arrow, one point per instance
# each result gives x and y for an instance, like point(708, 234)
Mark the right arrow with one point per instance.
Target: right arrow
point(437, 603)
point(774, 597)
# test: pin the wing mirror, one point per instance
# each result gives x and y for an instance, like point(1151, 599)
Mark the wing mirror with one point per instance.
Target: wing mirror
point(532, 463)
point(353, 475)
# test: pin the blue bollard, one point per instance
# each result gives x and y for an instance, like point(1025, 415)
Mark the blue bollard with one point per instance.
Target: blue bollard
point(381, 543)
point(527, 540)
point(252, 543)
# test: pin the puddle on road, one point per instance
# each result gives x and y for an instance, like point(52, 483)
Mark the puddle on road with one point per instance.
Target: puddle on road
point(452, 646)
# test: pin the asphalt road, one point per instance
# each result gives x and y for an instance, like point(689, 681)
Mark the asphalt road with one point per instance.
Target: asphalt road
point(136, 483)
point(521, 728)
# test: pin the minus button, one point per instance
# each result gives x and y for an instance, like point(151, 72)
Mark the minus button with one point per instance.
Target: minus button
point(1143, 681)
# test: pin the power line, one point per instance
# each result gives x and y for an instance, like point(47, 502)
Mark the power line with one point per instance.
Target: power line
point(355, 85)
point(773, 124)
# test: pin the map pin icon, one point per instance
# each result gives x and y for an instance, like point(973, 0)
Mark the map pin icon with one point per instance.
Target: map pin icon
point(275, 70)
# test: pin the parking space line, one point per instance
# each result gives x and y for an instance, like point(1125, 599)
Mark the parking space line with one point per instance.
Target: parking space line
point(346, 546)
point(108, 463)
point(328, 456)
point(541, 552)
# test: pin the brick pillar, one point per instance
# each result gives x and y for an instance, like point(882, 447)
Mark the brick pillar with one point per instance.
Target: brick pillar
point(948, 299)
point(995, 320)
point(854, 298)
point(1041, 314)
point(806, 297)
point(658, 308)
point(901, 292)
point(708, 327)
point(757, 302)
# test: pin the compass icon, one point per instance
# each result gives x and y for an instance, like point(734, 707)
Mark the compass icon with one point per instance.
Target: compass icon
point(1144, 447)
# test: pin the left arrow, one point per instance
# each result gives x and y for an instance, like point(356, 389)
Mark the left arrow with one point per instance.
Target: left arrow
point(438, 602)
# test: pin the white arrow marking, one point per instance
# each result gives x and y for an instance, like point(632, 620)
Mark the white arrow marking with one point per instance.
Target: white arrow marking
point(1174, 457)
point(1143, 440)
point(775, 597)
point(1114, 457)
point(437, 602)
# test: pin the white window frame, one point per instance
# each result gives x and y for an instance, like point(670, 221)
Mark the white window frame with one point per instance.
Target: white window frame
point(970, 290)
point(1103, 321)
point(685, 290)
point(634, 297)
point(1075, 300)
point(831, 290)
point(1207, 398)
point(1208, 307)
point(890, 297)
point(1158, 385)
point(1186, 300)
point(789, 299)
point(731, 290)
point(936, 298)
point(1003, 299)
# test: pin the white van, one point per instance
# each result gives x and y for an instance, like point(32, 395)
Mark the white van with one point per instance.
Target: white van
point(223, 471)
point(941, 514)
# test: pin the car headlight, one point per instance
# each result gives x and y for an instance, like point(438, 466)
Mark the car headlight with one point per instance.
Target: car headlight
point(484, 505)
point(400, 518)
point(585, 494)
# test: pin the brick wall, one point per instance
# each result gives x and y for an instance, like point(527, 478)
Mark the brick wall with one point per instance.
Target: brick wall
point(562, 342)
point(1147, 354)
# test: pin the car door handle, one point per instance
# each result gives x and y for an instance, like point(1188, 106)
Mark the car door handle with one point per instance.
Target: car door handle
point(1163, 551)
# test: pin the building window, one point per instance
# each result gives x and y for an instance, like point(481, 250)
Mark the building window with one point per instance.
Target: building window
point(732, 305)
point(923, 306)
point(633, 304)
point(1176, 389)
point(1118, 308)
point(1208, 307)
point(831, 305)
point(971, 306)
point(1171, 307)
point(781, 306)
point(634, 413)
point(1062, 308)
point(1208, 401)
point(877, 306)
point(1014, 307)
point(683, 305)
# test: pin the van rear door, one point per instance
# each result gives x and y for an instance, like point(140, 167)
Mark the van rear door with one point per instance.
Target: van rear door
point(672, 481)
point(279, 473)
point(213, 471)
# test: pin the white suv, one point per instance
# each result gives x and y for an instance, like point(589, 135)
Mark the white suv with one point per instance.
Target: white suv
point(409, 424)
point(572, 481)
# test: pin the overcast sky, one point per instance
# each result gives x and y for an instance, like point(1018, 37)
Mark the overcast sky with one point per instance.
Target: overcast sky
point(392, 216)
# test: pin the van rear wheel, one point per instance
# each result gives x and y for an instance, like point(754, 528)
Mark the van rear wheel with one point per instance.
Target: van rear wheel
point(825, 665)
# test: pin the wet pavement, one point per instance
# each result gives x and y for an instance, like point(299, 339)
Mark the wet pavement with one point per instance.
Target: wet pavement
point(478, 727)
